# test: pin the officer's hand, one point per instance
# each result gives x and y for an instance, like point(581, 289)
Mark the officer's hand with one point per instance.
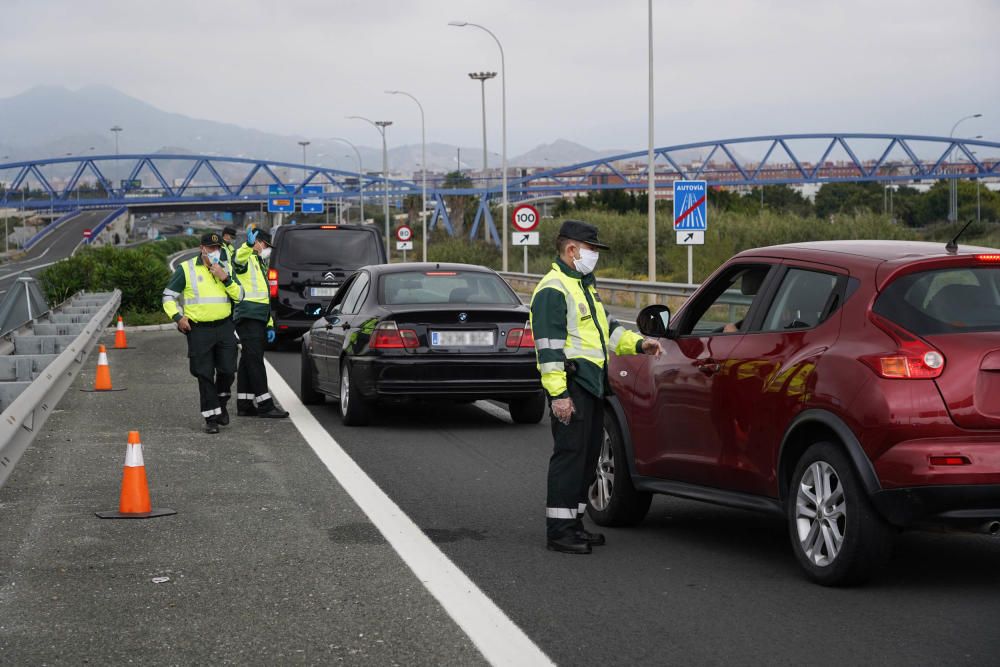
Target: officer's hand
point(271, 335)
point(563, 409)
point(251, 236)
point(652, 346)
point(218, 272)
point(184, 325)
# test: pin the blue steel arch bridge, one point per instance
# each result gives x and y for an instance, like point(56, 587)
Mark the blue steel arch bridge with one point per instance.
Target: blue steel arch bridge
point(177, 181)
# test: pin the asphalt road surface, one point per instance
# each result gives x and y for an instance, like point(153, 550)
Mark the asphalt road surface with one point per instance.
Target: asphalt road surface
point(58, 244)
point(693, 584)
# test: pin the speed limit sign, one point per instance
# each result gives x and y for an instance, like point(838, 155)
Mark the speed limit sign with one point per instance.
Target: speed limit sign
point(525, 218)
point(404, 233)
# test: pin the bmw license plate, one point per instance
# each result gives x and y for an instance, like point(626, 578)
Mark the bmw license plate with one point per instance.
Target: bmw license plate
point(322, 291)
point(461, 338)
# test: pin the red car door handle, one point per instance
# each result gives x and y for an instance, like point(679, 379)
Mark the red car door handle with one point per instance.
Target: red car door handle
point(708, 366)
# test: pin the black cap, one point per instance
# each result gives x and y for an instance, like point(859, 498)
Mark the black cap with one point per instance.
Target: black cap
point(229, 230)
point(581, 231)
point(265, 236)
point(211, 238)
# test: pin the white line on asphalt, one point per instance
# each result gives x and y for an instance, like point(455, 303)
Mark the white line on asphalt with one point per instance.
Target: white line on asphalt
point(494, 410)
point(27, 268)
point(497, 637)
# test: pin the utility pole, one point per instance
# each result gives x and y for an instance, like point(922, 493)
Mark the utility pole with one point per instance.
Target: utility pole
point(483, 77)
point(651, 170)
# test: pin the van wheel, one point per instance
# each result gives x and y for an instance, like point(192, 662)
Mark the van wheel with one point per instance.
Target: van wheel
point(837, 535)
point(612, 499)
point(307, 383)
point(355, 409)
point(528, 410)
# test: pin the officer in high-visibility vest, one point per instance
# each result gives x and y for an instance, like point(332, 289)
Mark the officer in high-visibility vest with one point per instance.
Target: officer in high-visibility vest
point(228, 240)
point(207, 289)
point(254, 325)
point(573, 336)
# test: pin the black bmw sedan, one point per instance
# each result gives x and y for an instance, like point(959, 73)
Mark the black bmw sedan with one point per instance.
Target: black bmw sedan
point(415, 330)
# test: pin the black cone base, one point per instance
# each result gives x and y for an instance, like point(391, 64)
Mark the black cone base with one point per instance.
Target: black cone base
point(156, 511)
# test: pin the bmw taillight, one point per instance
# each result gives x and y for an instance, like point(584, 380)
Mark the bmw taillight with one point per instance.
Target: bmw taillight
point(521, 337)
point(914, 358)
point(387, 336)
point(272, 282)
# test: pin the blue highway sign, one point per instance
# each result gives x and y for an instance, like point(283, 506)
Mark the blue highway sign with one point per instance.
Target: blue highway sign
point(690, 206)
point(279, 201)
point(312, 199)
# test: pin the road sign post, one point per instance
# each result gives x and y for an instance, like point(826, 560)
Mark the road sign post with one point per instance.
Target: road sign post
point(404, 239)
point(690, 217)
point(525, 220)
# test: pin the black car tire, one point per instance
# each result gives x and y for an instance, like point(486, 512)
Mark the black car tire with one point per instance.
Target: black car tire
point(307, 383)
point(866, 542)
point(528, 410)
point(355, 409)
point(625, 506)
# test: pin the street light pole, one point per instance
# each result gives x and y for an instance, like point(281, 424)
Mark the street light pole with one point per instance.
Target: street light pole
point(483, 77)
point(381, 126)
point(116, 129)
point(503, 122)
point(423, 168)
point(304, 144)
point(651, 172)
point(953, 183)
point(361, 193)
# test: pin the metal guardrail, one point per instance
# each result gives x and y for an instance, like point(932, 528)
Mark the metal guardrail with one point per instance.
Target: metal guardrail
point(611, 289)
point(43, 364)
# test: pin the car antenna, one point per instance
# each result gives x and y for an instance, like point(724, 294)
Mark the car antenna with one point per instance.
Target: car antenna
point(952, 246)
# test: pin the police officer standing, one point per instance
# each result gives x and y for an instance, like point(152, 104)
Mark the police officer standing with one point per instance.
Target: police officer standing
point(206, 289)
point(254, 325)
point(228, 239)
point(573, 336)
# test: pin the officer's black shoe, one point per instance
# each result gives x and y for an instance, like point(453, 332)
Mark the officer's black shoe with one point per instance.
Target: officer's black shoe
point(211, 426)
point(593, 539)
point(273, 413)
point(249, 412)
point(570, 544)
point(223, 419)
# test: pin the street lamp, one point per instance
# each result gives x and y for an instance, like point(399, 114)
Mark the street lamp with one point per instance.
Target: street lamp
point(483, 77)
point(503, 116)
point(303, 144)
point(423, 167)
point(651, 172)
point(953, 184)
point(361, 193)
point(381, 125)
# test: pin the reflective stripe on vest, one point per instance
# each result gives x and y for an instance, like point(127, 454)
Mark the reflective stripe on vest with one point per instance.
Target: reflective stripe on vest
point(258, 291)
point(193, 284)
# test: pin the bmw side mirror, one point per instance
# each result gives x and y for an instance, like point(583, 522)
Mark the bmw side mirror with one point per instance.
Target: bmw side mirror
point(654, 321)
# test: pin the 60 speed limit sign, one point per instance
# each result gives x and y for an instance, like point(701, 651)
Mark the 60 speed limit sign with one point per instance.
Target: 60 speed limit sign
point(404, 233)
point(525, 218)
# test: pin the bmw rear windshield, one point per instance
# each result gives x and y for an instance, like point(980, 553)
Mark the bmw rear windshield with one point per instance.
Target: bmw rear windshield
point(944, 301)
point(444, 287)
point(317, 249)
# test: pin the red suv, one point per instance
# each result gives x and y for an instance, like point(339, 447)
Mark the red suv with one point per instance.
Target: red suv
point(852, 387)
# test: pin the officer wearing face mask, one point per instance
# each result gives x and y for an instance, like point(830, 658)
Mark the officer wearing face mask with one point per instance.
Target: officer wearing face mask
point(254, 325)
point(573, 337)
point(207, 290)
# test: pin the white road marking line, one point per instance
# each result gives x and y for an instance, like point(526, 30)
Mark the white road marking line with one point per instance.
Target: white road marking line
point(494, 410)
point(27, 268)
point(497, 637)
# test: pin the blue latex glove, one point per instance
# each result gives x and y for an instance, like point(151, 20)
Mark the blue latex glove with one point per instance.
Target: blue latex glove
point(271, 335)
point(251, 236)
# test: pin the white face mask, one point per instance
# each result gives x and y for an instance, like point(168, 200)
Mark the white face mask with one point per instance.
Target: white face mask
point(587, 262)
point(215, 256)
point(265, 254)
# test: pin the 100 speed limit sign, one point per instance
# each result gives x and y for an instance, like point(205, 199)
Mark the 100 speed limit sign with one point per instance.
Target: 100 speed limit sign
point(525, 218)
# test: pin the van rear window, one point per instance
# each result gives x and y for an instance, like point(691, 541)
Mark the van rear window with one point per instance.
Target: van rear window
point(327, 249)
point(944, 301)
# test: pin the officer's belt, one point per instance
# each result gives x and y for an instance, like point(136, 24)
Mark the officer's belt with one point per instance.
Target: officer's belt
point(213, 323)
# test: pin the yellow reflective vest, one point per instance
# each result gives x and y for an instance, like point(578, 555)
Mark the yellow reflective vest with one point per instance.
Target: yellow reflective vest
point(206, 298)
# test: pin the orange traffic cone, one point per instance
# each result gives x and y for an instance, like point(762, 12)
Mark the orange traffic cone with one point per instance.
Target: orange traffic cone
point(121, 343)
point(134, 502)
point(102, 380)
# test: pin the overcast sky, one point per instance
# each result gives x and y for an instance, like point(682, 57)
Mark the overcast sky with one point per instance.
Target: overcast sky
point(576, 68)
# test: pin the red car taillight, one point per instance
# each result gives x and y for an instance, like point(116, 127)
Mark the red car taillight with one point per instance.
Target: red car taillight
point(272, 282)
point(387, 336)
point(915, 358)
point(521, 337)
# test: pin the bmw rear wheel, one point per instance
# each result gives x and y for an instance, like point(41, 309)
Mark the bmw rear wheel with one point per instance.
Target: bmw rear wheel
point(528, 410)
point(355, 409)
point(837, 535)
point(612, 499)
